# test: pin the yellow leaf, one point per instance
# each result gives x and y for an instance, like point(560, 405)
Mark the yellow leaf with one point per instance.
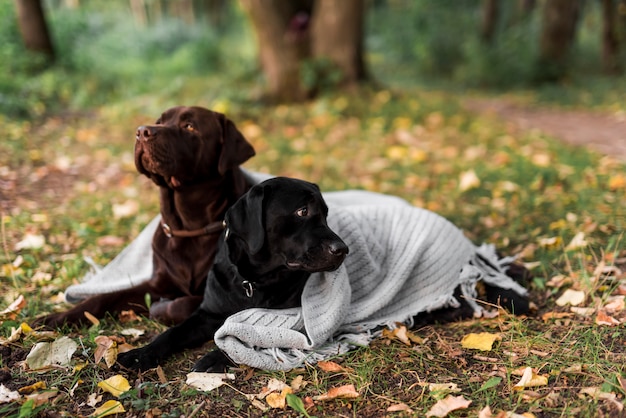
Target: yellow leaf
point(443, 387)
point(115, 385)
point(483, 341)
point(278, 400)
point(31, 388)
point(447, 405)
point(530, 379)
point(95, 321)
point(617, 181)
point(397, 152)
point(108, 408)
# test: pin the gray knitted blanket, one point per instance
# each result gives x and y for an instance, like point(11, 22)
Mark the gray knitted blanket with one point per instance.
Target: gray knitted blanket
point(403, 260)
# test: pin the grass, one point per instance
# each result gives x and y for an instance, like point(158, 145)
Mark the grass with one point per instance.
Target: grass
point(61, 177)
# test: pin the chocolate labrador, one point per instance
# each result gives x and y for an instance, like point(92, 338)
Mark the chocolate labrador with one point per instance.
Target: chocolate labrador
point(276, 237)
point(193, 155)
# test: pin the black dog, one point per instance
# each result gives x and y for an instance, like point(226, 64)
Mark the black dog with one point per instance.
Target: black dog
point(276, 236)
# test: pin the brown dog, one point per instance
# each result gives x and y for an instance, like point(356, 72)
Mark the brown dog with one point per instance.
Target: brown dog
point(193, 155)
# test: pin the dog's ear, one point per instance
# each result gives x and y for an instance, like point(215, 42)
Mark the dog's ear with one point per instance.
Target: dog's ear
point(235, 149)
point(245, 219)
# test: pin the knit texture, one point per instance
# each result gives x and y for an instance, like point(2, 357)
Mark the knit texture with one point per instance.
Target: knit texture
point(403, 260)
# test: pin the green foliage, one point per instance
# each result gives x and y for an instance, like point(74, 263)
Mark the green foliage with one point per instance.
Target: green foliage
point(102, 54)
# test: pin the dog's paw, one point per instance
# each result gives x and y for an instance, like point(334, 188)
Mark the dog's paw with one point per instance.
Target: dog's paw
point(137, 359)
point(214, 362)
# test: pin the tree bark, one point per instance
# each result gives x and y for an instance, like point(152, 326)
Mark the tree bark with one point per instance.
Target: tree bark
point(610, 40)
point(337, 34)
point(559, 23)
point(490, 13)
point(280, 54)
point(33, 27)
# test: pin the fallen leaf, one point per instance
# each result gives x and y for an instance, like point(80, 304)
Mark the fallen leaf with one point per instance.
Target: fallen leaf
point(93, 399)
point(110, 241)
point(571, 297)
point(556, 315)
point(617, 181)
point(125, 210)
point(447, 405)
point(128, 316)
point(30, 242)
point(468, 180)
point(343, 392)
point(331, 366)
point(208, 381)
point(551, 242)
point(530, 379)
point(115, 385)
point(106, 349)
point(108, 408)
point(482, 341)
point(400, 407)
point(133, 332)
point(584, 312)
point(614, 304)
point(49, 354)
point(603, 319)
point(485, 412)
point(278, 400)
point(577, 242)
point(43, 397)
point(7, 395)
point(91, 318)
point(31, 388)
point(13, 309)
point(443, 387)
point(298, 383)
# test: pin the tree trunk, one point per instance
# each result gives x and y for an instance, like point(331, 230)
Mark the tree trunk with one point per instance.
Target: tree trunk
point(33, 27)
point(337, 31)
point(610, 41)
point(280, 53)
point(490, 13)
point(559, 23)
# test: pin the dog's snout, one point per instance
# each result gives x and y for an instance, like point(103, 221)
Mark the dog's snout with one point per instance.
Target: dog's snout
point(338, 249)
point(144, 133)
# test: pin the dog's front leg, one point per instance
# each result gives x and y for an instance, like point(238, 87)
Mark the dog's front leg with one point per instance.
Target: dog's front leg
point(214, 361)
point(193, 332)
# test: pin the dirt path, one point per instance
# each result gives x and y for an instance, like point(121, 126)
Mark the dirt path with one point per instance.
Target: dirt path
point(603, 132)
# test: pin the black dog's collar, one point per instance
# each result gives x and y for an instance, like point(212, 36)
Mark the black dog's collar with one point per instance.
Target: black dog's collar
point(248, 286)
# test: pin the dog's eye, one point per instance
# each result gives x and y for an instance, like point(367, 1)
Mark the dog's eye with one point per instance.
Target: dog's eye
point(302, 212)
point(189, 126)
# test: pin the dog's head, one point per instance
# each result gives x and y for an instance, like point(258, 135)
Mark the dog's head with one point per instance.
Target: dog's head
point(189, 145)
point(281, 223)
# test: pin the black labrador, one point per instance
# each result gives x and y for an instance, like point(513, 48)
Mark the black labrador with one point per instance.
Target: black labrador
point(276, 236)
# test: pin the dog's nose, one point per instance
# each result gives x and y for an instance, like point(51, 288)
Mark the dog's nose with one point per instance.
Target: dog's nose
point(338, 249)
point(144, 133)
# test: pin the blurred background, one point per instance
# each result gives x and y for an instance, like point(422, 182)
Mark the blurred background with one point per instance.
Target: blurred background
point(72, 54)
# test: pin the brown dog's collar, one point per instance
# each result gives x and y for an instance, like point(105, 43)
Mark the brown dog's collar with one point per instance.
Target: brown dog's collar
point(211, 228)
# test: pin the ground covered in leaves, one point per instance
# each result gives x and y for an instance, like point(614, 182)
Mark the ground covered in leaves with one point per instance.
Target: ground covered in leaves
point(69, 192)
